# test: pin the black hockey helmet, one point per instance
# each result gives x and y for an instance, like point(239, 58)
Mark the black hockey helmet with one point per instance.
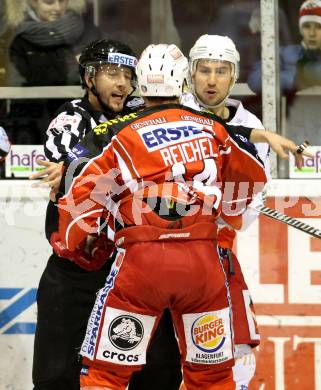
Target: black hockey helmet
point(105, 51)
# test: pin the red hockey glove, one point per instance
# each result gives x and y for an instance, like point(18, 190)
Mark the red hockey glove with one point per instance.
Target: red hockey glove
point(100, 250)
point(59, 248)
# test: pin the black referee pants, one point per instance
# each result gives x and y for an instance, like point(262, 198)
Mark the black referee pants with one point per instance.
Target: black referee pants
point(66, 295)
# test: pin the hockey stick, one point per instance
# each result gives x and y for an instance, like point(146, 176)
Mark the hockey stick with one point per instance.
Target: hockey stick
point(274, 214)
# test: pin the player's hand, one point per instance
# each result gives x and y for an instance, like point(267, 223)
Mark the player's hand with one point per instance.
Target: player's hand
point(50, 176)
point(59, 248)
point(280, 145)
point(90, 255)
point(95, 252)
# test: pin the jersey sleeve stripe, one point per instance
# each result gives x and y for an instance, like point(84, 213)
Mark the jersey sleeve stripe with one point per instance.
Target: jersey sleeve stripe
point(127, 157)
point(227, 151)
point(76, 220)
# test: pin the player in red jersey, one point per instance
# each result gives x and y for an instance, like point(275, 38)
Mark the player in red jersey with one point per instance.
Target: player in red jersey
point(162, 177)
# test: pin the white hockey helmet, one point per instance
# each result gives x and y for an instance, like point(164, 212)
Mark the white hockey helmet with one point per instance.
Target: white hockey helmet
point(161, 71)
point(217, 48)
point(214, 47)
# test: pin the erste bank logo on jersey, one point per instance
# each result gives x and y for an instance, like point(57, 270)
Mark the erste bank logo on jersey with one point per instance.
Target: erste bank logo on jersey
point(182, 142)
point(208, 333)
point(157, 137)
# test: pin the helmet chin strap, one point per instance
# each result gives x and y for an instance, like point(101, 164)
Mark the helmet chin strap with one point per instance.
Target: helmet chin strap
point(107, 110)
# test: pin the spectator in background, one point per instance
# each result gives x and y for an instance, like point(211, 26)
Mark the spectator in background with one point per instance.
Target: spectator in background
point(300, 65)
point(309, 63)
point(48, 37)
point(232, 19)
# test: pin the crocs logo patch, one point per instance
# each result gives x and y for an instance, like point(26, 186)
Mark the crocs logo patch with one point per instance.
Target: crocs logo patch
point(126, 332)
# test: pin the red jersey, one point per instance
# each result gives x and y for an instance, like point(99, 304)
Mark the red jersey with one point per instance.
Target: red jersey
point(169, 153)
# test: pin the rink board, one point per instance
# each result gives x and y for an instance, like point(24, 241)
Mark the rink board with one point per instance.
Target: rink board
point(282, 267)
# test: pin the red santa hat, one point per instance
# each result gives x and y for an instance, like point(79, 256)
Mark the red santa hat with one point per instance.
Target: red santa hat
point(310, 11)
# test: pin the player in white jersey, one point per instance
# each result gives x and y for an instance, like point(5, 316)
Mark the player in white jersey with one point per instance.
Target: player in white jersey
point(4, 144)
point(214, 68)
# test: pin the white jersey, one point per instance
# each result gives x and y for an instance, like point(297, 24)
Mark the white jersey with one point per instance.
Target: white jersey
point(245, 118)
point(4, 144)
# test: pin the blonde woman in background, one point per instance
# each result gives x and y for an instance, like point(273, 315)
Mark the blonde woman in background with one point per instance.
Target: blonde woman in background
point(48, 37)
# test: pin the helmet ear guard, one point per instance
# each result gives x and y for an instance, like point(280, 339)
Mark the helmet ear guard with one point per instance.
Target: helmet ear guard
point(90, 71)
